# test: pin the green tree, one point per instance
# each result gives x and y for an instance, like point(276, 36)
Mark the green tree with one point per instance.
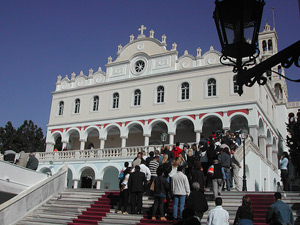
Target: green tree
point(293, 139)
point(8, 137)
point(28, 137)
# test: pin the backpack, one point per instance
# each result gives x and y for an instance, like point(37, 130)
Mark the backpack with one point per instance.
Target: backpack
point(121, 176)
point(211, 170)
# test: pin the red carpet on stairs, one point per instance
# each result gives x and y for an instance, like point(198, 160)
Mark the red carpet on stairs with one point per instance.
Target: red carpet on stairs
point(260, 205)
point(96, 211)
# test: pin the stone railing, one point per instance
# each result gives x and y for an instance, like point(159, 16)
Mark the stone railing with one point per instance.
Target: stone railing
point(127, 152)
point(29, 199)
point(250, 146)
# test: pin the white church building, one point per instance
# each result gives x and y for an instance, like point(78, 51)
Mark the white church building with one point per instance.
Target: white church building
point(104, 118)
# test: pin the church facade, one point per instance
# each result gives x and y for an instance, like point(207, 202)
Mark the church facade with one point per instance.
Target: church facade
point(149, 90)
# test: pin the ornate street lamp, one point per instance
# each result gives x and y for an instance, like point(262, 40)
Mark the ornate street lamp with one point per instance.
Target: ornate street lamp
point(163, 138)
point(244, 137)
point(238, 23)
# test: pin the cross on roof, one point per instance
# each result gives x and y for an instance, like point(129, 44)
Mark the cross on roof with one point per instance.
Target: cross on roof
point(142, 29)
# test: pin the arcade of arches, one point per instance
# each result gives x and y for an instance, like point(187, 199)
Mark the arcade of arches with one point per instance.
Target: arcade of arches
point(184, 129)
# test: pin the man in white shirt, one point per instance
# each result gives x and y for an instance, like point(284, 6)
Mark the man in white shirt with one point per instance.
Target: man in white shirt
point(145, 170)
point(218, 215)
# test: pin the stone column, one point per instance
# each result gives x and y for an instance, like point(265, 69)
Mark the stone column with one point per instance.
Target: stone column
point(269, 152)
point(171, 138)
point(262, 144)
point(50, 146)
point(102, 143)
point(64, 145)
point(98, 184)
point(275, 158)
point(253, 131)
point(123, 145)
point(82, 144)
point(146, 140)
point(198, 136)
point(75, 183)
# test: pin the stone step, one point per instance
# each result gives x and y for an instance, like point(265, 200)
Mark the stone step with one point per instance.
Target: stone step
point(116, 219)
point(81, 194)
point(87, 190)
point(79, 197)
point(49, 216)
point(57, 213)
point(45, 220)
point(69, 204)
point(34, 223)
point(63, 207)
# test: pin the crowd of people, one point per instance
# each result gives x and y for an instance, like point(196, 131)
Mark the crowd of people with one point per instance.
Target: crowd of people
point(183, 175)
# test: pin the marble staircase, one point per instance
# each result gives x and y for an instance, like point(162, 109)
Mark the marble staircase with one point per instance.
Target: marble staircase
point(90, 206)
point(62, 208)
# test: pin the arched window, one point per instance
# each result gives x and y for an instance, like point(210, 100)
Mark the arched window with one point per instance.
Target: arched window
point(269, 74)
point(115, 100)
point(77, 105)
point(264, 46)
point(185, 91)
point(212, 87)
point(137, 97)
point(270, 45)
point(96, 103)
point(279, 69)
point(278, 91)
point(61, 108)
point(160, 94)
point(235, 84)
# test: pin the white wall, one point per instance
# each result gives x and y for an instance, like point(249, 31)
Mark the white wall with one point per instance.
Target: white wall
point(20, 205)
point(15, 179)
point(261, 174)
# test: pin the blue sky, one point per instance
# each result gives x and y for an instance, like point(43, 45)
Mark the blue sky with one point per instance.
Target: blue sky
point(43, 39)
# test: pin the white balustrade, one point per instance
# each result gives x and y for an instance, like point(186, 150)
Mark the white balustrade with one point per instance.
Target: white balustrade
point(131, 152)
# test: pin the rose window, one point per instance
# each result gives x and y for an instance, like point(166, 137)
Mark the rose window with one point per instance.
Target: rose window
point(139, 66)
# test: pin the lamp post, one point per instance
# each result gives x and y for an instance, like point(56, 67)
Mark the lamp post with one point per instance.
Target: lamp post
point(163, 138)
point(244, 137)
point(238, 23)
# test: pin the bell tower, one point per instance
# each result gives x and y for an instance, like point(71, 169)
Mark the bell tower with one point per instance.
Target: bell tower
point(268, 47)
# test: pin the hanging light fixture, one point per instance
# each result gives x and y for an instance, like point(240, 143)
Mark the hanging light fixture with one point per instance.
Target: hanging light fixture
point(238, 23)
point(163, 138)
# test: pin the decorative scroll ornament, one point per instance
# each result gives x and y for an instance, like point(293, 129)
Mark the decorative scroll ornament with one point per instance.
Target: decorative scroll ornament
point(247, 61)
